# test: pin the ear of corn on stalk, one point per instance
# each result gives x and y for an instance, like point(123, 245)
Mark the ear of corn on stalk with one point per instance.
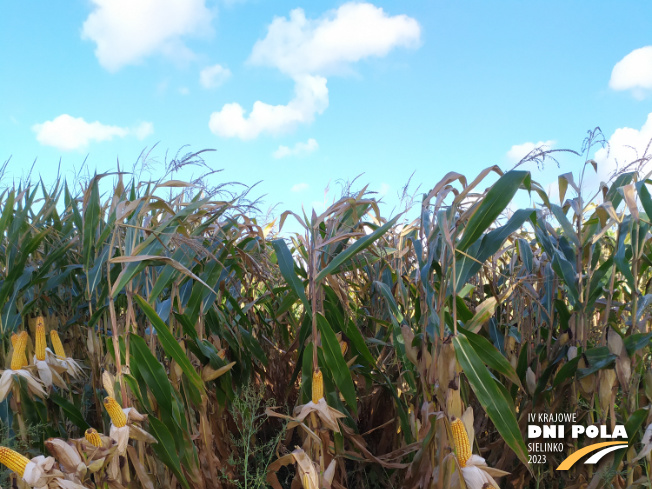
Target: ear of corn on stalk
point(93, 437)
point(18, 356)
point(118, 417)
point(14, 461)
point(39, 349)
point(461, 442)
point(317, 386)
point(57, 345)
point(24, 361)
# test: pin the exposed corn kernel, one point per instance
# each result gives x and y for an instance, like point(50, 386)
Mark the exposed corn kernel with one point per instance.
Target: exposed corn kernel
point(461, 442)
point(39, 348)
point(317, 386)
point(57, 345)
point(118, 417)
point(14, 339)
point(18, 356)
point(93, 437)
point(14, 461)
point(25, 362)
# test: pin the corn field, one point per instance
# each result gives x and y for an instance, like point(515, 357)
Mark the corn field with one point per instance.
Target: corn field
point(163, 335)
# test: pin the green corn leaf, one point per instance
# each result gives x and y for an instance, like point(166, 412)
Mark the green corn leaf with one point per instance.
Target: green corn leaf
point(492, 398)
point(490, 207)
point(362, 243)
point(491, 356)
point(165, 449)
point(71, 411)
point(336, 363)
point(286, 265)
point(170, 343)
point(152, 371)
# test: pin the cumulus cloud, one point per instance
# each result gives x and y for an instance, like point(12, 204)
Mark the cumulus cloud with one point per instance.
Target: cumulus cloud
point(69, 133)
point(297, 45)
point(520, 151)
point(300, 187)
point(307, 50)
point(299, 149)
point(310, 98)
point(125, 31)
point(214, 76)
point(634, 72)
point(626, 145)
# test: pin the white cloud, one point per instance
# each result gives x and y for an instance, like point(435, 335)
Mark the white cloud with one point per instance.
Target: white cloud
point(520, 151)
point(143, 130)
point(384, 188)
point(69, 133)
point(126, 31)
point(300, 187)
point(299, 149)
point(327, 45)
point(310, 98)
point(307, 50)
point(634, 72)
point(626, 145)
point(184, 91)
point(214, 76)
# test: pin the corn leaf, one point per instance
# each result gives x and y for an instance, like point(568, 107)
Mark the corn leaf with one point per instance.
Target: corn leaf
point(169, 343)
point(498, 407)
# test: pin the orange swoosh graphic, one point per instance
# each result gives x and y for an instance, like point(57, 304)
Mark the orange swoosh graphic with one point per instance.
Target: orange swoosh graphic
point(574, 457)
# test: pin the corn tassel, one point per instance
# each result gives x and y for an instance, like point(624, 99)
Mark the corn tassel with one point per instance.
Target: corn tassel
point(317, 386)
point(14, 461)
point(118, 417)
point(39, 348)
point(461, 442)
point(18, 359)
point(93, 437)
point(57, 345)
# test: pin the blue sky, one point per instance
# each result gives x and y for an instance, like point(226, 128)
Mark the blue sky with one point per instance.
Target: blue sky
point(301, 95)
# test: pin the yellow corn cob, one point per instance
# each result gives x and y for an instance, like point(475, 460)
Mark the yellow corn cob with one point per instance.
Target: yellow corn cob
point(14, 339)
point(13, 460)
point(306, 481)
point(344, 346)
point(93, 437)
point(317, 386)
point(24, 362)
point(118, 417)
point(461, 442)
point(56, 344)
point(39, 348)
point(19, 352)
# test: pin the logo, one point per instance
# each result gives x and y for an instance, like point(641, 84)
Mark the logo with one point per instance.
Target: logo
point(574, 457)
point(552, 427)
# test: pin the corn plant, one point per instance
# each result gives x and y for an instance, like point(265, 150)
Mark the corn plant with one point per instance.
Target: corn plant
point(400, 352)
